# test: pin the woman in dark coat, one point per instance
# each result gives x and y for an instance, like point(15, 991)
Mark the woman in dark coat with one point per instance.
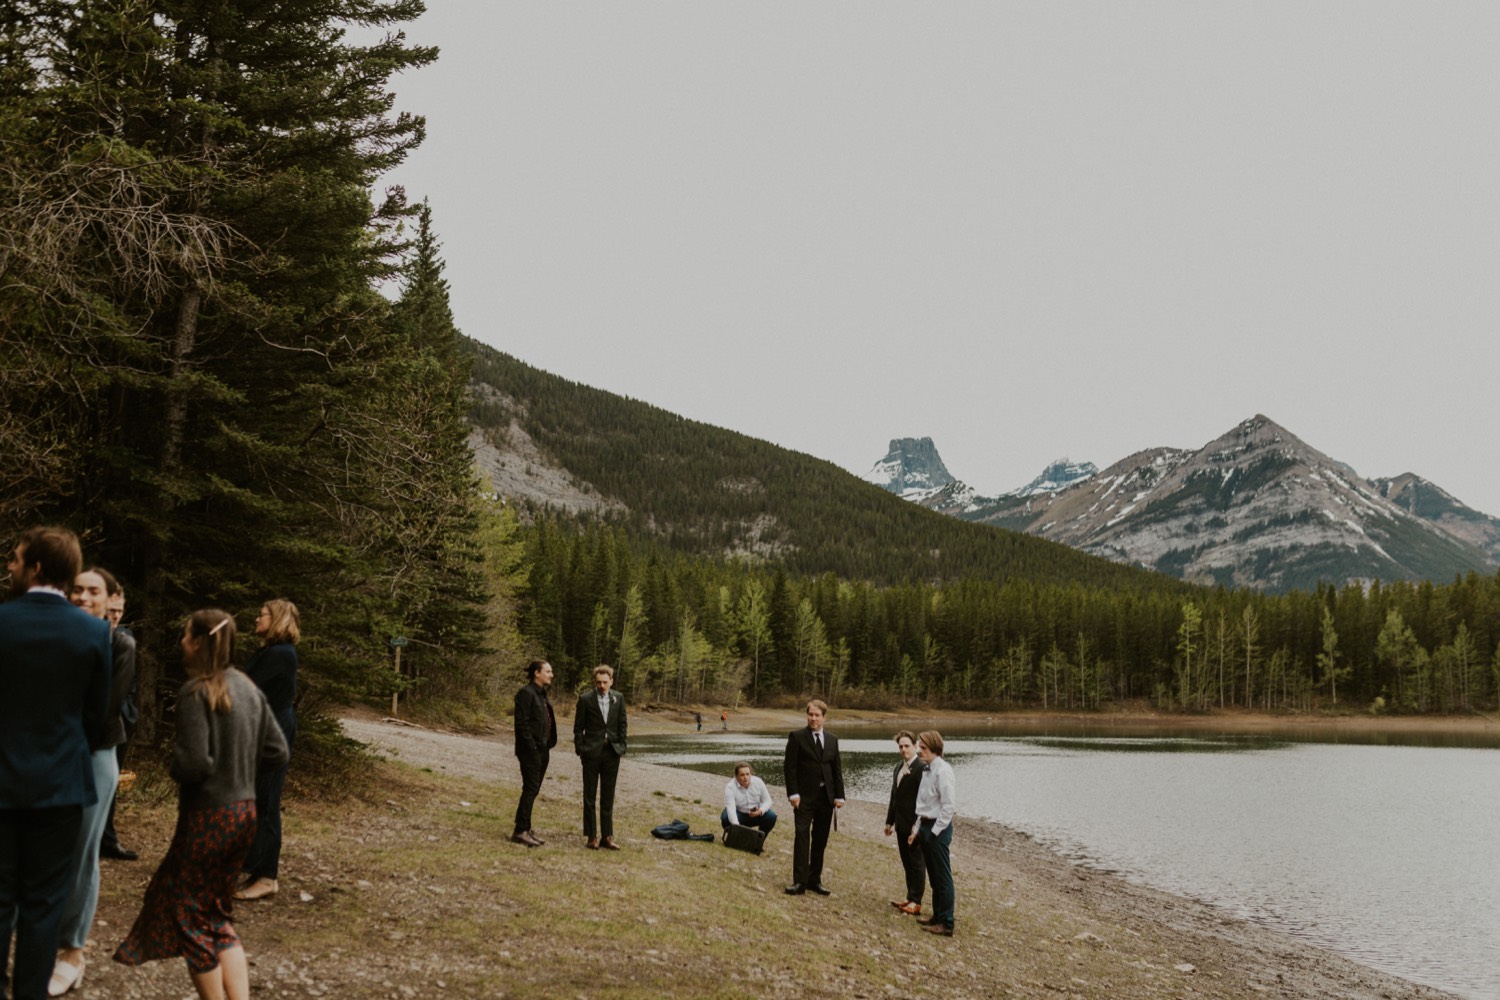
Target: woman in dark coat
point(901, 815)
point(273, 668)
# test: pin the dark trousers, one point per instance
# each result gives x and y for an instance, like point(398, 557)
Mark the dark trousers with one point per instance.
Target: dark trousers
point(939, 869)
point(912, 861)
point(533, 770)
point(600, 773)
point(36, 858)
point(765, 822)
point(264, 859)
point(813, 818)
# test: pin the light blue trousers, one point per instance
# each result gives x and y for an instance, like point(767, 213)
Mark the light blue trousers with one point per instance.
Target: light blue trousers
point(83, 894)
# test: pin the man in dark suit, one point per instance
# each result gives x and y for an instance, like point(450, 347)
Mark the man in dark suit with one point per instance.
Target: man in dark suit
point(901, 815)
point(814, 775)
point(54, 699)
point(599, 741)
point(536, 735)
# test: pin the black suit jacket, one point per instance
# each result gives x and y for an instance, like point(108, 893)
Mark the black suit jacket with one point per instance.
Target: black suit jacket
point(805, 770)
point(902, 812)
point(54, 701)
point(591, 733)
point(536, 726)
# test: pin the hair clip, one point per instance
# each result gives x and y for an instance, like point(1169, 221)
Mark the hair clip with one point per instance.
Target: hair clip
point(222, 622)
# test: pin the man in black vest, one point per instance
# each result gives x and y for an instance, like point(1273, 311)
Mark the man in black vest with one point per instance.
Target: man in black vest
point(536, 735)
point(599, 741)
point(814, 775)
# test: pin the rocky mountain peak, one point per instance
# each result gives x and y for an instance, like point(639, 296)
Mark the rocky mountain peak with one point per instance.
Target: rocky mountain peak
point(1059, 475)
point(910, 465)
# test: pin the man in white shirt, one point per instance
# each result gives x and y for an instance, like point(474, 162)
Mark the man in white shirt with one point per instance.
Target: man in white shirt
point(933, 831)
point(747, 801)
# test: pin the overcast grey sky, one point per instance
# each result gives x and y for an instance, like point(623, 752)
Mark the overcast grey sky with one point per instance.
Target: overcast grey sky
point(1026, 230)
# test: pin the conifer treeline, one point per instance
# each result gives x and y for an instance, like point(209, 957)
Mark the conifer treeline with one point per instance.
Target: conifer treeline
point(679, 628)
point(198, 372)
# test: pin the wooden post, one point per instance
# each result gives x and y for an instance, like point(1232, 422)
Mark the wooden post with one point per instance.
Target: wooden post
point(395, 692)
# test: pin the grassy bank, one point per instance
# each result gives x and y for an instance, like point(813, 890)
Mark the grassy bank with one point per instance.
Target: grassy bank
point(404, 885)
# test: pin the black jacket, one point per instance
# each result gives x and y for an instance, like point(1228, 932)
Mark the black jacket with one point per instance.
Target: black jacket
point(590, 732)
point(902, 812)
point(536, 726)
point(805, 771)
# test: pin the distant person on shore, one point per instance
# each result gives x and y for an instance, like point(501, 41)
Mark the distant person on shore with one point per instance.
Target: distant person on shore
point(901, 815)
point(54, 698)
point(599, 740)
point(226, 733)
point(536, 735)
point(91, 593)
point(698, 717)
point(273, 668)
point(724, 718)
point(933, 830)
point(747, 801)
point(109, 845)
point(814, 775)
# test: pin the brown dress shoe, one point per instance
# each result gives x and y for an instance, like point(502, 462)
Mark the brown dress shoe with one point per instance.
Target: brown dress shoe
point(609, 844)
point(525, 837)
point(936, 928)
point(593, 844)
point(533, 836)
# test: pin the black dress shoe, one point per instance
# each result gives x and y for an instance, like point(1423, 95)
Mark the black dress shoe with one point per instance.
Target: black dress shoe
point(795, 889)
point(117, 852)
point(818, 888)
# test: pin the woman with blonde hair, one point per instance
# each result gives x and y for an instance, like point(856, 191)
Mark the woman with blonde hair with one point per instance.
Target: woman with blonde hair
point(225, 735)
point(273, 668)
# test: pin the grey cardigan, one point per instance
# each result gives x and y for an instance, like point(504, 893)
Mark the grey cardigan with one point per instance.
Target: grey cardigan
point(217, 754)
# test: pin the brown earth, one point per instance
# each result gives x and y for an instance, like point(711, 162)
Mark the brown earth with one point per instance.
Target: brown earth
point(408, 887)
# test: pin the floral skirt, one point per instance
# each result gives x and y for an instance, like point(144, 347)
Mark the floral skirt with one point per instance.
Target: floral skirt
point(190, 899)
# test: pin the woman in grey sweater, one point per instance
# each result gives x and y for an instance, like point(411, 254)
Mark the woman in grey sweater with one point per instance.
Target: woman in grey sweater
point(225, 734)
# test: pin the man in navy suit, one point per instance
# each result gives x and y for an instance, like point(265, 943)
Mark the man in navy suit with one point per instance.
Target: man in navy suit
point(814, 774)
point(54, 696)
point(599, 741)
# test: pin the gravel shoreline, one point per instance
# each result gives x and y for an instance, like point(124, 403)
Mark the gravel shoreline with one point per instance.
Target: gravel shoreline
point(1195, 949)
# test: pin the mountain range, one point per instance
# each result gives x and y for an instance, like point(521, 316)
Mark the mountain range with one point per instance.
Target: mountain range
point(1256, 507)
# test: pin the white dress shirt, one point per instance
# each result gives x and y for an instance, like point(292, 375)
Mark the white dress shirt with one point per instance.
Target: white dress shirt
point(757, 796)
point(935, 796)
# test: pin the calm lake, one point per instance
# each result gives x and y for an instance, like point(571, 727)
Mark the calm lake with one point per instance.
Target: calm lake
point(1381, 847)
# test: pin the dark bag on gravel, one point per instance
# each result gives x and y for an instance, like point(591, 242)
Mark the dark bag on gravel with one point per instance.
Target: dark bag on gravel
point(744, 838)
point(678, 830)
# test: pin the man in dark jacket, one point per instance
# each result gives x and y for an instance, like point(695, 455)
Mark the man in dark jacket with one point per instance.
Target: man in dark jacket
point(814, 775)
point(599, 741)
point(54, 700)
point(536, 735)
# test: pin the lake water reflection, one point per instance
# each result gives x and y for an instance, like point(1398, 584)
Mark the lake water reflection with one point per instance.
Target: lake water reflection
point(1375, 846)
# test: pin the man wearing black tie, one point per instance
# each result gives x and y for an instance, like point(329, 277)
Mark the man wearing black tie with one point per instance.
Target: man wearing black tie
point(814, 776)
point(599, 741)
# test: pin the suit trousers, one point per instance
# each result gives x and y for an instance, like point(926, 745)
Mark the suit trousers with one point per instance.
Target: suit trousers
point(533, 770)
point(599, 773)
point(912, 861)
point(36, 856)
point(813, 818)
point(939, 869)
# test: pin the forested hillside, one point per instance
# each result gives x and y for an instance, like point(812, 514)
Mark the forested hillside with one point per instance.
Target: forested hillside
point(697, 489)
point(850, 601)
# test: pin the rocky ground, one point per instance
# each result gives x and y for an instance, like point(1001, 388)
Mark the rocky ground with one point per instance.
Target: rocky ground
point(411, 890)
